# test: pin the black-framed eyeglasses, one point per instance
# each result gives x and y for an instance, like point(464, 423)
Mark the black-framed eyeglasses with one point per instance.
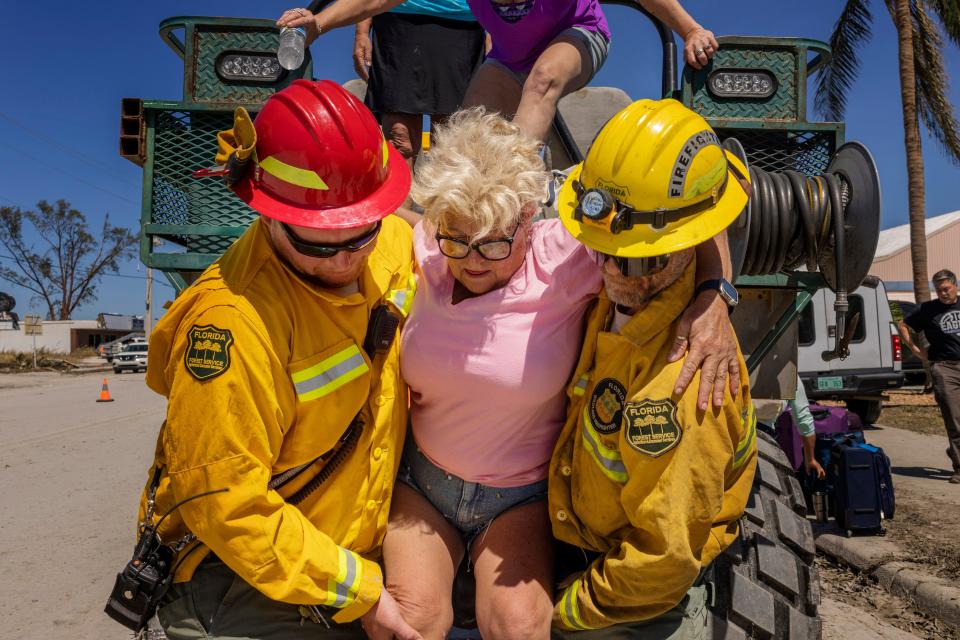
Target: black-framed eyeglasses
point(493, 250)
point(318, 250)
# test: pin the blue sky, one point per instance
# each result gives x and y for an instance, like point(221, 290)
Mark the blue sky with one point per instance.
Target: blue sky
point(59, 119)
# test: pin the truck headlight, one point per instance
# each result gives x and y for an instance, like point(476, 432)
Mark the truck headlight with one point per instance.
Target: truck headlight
point(260, 67)
point(741, 83)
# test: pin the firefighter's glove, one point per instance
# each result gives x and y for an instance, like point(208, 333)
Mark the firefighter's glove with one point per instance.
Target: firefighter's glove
point(235, 146)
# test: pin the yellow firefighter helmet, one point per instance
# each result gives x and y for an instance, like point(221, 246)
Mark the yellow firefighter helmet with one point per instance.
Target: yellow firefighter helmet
point(655, 181)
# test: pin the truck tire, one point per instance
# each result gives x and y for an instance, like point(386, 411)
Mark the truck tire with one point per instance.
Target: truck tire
point(867, 410)
point(766, 584)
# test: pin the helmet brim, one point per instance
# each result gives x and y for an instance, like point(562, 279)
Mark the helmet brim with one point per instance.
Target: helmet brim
point(378, 205)
point(643, 241)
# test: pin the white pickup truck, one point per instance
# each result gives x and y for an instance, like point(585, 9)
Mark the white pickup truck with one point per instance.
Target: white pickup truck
point(874, 363)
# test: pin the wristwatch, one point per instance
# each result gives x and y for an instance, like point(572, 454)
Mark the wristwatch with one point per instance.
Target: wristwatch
point(728, 292)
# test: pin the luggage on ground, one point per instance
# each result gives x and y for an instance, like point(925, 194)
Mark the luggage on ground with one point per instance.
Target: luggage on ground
point(827, 421)
point(834, 419)
point(860, 485)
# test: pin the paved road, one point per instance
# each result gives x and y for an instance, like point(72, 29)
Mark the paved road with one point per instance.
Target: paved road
point(919, 462)
point(71, 471)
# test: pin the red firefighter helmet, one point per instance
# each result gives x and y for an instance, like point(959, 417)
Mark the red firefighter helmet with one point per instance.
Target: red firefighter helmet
point(321, 160)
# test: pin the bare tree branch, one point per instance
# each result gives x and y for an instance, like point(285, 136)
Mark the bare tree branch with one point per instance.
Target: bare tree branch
point(65, 274)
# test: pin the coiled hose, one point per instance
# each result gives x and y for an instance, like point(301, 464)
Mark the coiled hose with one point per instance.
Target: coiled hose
point(793, 221)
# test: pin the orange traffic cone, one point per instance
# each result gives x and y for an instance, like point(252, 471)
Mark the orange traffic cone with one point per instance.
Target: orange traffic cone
point(105, 393)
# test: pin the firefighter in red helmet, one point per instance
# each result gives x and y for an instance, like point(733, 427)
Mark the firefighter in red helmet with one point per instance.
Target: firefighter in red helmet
point(286, 410)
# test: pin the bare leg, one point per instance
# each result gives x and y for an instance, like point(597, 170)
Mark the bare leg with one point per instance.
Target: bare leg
point(495, 89)
point(420, 553)
point(513, 565)
point(563, 67)
point(404, 131)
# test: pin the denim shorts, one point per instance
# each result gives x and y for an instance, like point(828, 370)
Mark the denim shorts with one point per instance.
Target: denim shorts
point(597, 45)
point(468, 506)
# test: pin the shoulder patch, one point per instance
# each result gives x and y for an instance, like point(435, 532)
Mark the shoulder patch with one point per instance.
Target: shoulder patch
point(208, 351)
point(606, 405)
point(651, 426)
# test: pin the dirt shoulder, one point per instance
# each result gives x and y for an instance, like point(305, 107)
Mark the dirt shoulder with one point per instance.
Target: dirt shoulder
point(77, 362)
point(927, 517)
point(875, 606)
point(927, 528)
point(913, 410)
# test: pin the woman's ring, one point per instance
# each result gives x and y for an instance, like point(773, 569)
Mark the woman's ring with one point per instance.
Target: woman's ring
point(698, 51)
point(709, 47)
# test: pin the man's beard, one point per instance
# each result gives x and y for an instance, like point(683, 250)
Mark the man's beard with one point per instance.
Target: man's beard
point(318, 281)
point(637, 291)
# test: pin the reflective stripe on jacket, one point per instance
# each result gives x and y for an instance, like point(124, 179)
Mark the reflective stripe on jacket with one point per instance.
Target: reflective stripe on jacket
point(264, 372)
point(641, 475)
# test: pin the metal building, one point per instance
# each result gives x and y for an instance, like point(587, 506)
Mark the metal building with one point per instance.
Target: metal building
point(891, 263)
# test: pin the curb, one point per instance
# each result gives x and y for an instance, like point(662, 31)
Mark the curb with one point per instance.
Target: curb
point(889, 565)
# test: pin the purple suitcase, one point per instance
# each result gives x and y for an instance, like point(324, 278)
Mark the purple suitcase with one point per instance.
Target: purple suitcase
point(834, 419)
point(789, 438)
point(827, 420)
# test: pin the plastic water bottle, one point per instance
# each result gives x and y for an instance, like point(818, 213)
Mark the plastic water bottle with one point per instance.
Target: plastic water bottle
point(292, 43)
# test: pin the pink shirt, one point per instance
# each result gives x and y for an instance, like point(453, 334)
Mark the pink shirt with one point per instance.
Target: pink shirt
point(488, 375)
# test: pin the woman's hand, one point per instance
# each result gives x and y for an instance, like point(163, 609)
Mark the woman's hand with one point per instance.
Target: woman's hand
point(813, 467)
point(362, 52)
point(300, 18)
point(699, 46)
point(706, 335)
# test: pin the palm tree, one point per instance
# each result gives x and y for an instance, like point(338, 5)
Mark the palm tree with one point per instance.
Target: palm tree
point(923, 91)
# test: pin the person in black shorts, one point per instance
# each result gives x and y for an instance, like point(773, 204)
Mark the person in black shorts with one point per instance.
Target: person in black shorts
point(940, 322)
point(417, 59)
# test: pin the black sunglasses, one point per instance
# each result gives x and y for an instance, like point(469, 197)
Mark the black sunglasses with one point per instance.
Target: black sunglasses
point(317, 250)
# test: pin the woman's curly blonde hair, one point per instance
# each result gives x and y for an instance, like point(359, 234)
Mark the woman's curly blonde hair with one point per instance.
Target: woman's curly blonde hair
point(482, 168)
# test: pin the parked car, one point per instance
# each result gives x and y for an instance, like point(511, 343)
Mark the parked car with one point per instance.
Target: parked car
point(120, 344)
point(132, 358)
point(874, 363)
point(913, 371)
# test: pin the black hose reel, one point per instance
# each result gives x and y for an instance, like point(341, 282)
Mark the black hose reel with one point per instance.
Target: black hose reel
point(828, 223)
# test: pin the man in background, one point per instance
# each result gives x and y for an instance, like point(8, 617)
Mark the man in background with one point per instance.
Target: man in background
point(939, 320)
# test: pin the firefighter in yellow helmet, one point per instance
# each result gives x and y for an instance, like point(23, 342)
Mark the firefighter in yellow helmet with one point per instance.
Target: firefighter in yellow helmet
point(286, 412)
point(645, 489)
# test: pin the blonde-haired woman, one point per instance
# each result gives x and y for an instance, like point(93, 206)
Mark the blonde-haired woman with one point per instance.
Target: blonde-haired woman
point(487, 351)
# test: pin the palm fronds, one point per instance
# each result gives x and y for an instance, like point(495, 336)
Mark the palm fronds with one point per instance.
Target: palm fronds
point(933, 102)
point(948, 12)
point(835, 79)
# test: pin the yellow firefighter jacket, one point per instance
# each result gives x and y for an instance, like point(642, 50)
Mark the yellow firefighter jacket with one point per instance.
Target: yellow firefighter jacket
point(264, 372)
point(639, 474)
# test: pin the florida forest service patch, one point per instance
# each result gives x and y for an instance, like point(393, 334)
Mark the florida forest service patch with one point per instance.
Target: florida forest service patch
point(208, 351)
point(606, 405)
point(652, 426)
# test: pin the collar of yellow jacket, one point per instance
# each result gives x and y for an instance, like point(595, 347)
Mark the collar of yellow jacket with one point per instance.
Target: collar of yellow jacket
point(374, 279)
point(662, 310)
